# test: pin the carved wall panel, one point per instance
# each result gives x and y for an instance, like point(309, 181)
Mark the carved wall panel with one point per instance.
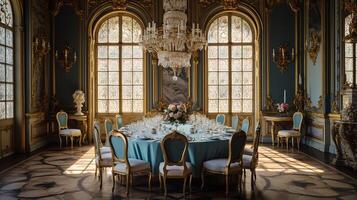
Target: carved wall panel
point(40, 28)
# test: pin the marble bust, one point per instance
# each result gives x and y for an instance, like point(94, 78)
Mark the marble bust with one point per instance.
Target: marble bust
point(78, 100)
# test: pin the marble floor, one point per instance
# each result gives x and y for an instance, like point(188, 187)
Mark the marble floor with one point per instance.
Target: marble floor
point(69, 174)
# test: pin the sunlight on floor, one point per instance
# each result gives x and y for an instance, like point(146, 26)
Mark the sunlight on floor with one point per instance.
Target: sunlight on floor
point(85, 164)
point(274, 161)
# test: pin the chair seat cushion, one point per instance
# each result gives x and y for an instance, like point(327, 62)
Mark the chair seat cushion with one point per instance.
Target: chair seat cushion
point(106, 160)
point(135, 166)
point(70, 132)
point(247, 161)
point(248, 150)
point(105, 150)
point(175, 170)
point(288, 133)
point(219, 165)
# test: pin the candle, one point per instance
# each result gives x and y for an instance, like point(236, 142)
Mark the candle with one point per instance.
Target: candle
point(75, 56)
point(282, 53)
point(273, 53)
point(300, 79)
point(284, 96)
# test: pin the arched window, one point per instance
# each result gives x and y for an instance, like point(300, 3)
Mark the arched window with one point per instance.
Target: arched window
point(120, 85)
point(350, 57)
point(230, 68)
point(6, 61)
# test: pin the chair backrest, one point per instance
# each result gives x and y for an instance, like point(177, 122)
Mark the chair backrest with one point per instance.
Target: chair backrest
point(119, 145)
point(256, 140)
point(174, 148)
point(245, 125)
point(108, 126)
point(96, 125)
point(297, 121)
point(97, 143)
point(119, 121)
point(236, 147)
point(62, 119)
point(220, 119)
point(235, 120)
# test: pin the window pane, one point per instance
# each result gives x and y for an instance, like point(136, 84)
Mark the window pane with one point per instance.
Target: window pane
point(114, 78)
point(236, 51)
point(113, 106)
point(212, 52)
point(223, 106)
point(247, 78)
point(237, 92)
point(9, 38)
point(212, 65)
point(137, 65)
point(213, 32)
point(2, 35)
point(103, 78)
point(127, 30)
point(138, 92)
point(2, 110)
point(2, 54)
point(348, 20)
point(223, 29)
point(127, 78)
point(103, 33)
point(236, 106)
point(213, 92)
point(247, 106)
point(212, 78)
point(127, 52)
point(138, 106)
point(136, 32)
point(127, 64)
point(237, 64)
point(113, 52)
point(102, 92)
point(113, 65)
point(247, 92)
point(247, 52)
point(9, 92)
point(113, 29)
point(223, 65)
point(102, 65)
point(223, 92)
point(127, 92)
point(113, 92)
point(127, 106)
point(348, 50)
point(247, 65)
point(212, 106)
point(2, 92)
point(223, 78)
point(349, 77)
point(137, 52)
point(102, 106)
point(247, 32)
point(236, 29)
point(102, 52)
point(223, 52)
point(137, 78)
point(2, 72)
point(348, 63)
point(236, 78)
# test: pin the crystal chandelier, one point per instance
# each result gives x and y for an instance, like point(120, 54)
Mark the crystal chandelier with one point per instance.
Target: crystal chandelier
point(172, 42)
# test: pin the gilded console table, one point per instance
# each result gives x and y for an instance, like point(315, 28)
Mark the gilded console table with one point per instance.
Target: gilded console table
point(344, 135)
point(81, 123)
point(275, 120)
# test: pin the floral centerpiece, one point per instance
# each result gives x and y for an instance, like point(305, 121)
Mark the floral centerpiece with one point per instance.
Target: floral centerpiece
point(282, 107)
point(176, 113)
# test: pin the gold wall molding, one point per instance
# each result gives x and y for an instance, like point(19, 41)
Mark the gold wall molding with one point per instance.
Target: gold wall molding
point(59, 4)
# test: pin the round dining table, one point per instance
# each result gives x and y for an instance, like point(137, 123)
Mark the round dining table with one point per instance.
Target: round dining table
point(198, 152)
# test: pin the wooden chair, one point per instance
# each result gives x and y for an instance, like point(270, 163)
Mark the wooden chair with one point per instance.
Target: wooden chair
point(220, 119)
point(228, 166)
point(103, 149)
point(251, 161)
point(108, 127)
point(174, 147)
point(64, 131)
point(235, 120)
point(294, 133)
point(102, 159)
point(119, 121)
point(122, 165)
point(245, 125)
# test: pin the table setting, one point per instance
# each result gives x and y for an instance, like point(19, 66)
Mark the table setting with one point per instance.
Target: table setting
point(207, 139)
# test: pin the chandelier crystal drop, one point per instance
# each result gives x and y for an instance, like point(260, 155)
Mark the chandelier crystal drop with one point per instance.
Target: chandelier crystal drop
point(172, 42)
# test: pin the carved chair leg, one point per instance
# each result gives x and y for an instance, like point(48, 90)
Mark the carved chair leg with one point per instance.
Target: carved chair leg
point(127, 184)
point(71, 142)
point(298, 142)
point(184, 186)
point(60, 142)
point(165, 188)
point(113, 175)
point(66, 140)
point(149, 183)
point(80, 139)
point(160, 180)
point(202, 179)
point(190, 183)
point(101, 176)
point(287, 143)
point(227, 184)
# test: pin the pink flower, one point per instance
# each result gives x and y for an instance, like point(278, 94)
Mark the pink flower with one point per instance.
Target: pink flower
point(178, 115)
point(172, 107)
point(171, 114)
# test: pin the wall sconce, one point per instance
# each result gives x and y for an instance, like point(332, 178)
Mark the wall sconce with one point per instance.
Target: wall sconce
point(41, 47)
point(283, 57)
point(66, 58)
point(312, 45)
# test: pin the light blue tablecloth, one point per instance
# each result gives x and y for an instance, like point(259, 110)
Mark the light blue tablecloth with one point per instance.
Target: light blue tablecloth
point(198, 152)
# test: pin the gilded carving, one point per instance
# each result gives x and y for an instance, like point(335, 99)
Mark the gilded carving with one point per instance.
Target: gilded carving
point(320, 104)
point(58, 5)
point(269, 104)
point(298, 100)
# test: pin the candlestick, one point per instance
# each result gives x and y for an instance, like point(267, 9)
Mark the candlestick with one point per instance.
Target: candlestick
point(284, 96)
point(273, 53)
point(300, 79)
